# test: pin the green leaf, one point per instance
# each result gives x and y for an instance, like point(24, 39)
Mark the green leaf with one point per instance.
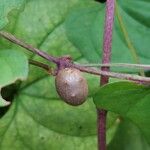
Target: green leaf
point(135, 18)
point(128, 137)
point(5, 8)
point(85, 26)
point(14, 66)
point(129, 100)
point(85, 30)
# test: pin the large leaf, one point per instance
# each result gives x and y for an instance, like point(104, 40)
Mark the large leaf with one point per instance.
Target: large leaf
point(13, 66)
point(128, 137)
point(38, 119)
point(85, 26)
point(129, 100)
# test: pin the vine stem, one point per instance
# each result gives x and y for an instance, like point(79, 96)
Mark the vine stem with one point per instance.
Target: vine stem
point(126, 65)
point(102, 114)
point(64, 61)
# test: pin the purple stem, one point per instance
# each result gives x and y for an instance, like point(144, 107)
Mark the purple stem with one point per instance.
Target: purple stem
point(102, 114)
point(17, 41)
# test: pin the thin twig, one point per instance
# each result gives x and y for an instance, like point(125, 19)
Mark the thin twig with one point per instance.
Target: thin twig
point(125, 65)
point(39, 64)
point(8, 36)
point(17, 41)
point(124, 76)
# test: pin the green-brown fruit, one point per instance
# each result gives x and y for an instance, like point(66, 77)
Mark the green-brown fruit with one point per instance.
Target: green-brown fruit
point(71, 86)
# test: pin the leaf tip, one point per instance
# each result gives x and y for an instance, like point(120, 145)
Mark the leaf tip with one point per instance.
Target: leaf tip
point(4, 103)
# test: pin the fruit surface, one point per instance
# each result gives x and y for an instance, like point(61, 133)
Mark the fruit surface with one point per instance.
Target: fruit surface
point(71, 86)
